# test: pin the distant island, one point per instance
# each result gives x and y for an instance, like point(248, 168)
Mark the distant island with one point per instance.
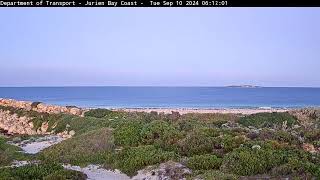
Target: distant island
point(244, 86)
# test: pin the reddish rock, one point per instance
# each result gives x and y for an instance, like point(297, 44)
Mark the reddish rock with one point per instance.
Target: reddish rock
point(309, 148)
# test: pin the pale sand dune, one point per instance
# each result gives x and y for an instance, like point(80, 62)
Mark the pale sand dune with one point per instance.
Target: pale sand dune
point(39, 144)
point(194, 110)
point(94, 172)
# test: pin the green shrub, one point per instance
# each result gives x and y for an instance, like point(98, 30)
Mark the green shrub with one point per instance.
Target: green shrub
point(204, 162)
point(189, 125)
point(210, 132)
point(217, 175)
point(314, 169)
point(279, 136)
point(9, 152)
point(312, 135)
point(129, 160)
point(30, 172)
point(79, 124)
point(19, 111)
point(246, 162)
point(98, 113)
point(39, 118)
point(215, 119)
point(128, 134)
point(284, 136)
point(316, 143)
point(228, 142)
point(160, 133)
point(196, 143)
point(261, 120)
point(81, 150)
point(293, 167)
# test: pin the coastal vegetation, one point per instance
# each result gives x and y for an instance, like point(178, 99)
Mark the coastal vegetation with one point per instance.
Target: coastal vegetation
point(211, 146)
point(9, 152)
point(40, 171)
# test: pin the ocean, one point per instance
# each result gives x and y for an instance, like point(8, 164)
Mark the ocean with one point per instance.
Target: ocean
point(168, 97)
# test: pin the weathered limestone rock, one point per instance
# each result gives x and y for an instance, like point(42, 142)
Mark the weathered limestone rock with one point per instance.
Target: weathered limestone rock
point(309, 148)
point(41, 107)
point(72, 133)
point(16, 125)
point(64, 134)
point(13, 124)
point(75, 111)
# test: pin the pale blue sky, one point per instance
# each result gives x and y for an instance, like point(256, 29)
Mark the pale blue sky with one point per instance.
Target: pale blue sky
point(160, 46)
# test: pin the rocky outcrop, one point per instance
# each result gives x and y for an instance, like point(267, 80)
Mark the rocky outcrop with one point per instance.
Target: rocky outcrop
point(13, 124)
point(41, 107)
point(16, 125)
point(310, 148)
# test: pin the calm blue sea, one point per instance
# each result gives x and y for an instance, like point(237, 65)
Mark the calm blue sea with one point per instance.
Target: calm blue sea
point(189, 97)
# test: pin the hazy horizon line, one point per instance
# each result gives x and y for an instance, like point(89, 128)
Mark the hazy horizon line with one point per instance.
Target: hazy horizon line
point(164, 86)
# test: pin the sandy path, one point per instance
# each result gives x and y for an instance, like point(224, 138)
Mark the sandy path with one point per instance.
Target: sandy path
point(33, 147)
point(94, 172)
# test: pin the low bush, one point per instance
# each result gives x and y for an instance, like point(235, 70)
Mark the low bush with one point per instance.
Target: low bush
point(204, 162)
point(99, 113)
point(215, 119)
point(228, 142)
point(246, 162)
point(294, 167)
point(280, 136)
point(79, 124)
point(128, 134)
point(275, 119)
point(81, 150)
point(8, 153)
point(316, 143)
point(161, 134)
point(312, 135)
point(216, 175)
point(188, 125)
point(129, 160)
point(30, 172)
point(196, 143)
point(19, 111)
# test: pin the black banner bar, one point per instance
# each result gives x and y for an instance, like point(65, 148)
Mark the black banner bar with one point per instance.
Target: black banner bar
point(156, 3)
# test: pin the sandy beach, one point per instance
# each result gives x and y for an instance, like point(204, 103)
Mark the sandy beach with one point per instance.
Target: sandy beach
point(196, 110)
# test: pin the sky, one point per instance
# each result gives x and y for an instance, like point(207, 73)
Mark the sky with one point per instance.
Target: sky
point(160, 46)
